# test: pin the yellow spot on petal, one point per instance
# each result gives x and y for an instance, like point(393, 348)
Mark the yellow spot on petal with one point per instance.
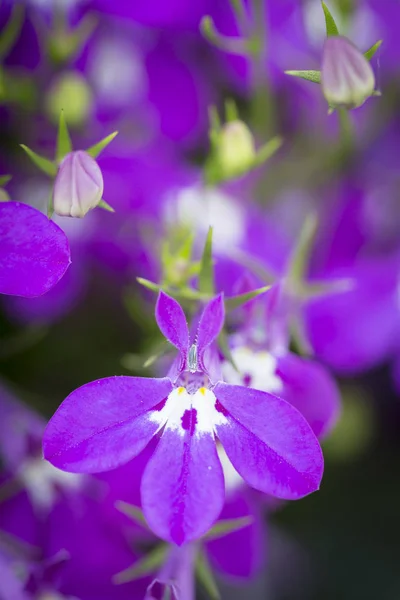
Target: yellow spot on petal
point(203, 391)
point(181, 390)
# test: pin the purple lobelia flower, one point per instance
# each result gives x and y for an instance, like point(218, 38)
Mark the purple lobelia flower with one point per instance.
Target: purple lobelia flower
point(34, 252)
point(107, 422)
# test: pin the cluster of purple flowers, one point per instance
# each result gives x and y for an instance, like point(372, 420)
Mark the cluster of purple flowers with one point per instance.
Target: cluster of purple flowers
point(270, 251)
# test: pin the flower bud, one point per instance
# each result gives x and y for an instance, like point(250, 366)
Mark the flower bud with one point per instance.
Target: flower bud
point(347, 77)
point(78, 186)
point(236, 149)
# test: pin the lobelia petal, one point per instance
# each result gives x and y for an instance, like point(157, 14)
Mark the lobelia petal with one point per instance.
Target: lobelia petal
point(210, 324)
point(172, 322)
point(183, 486)
point(269, 442)
point(310, 388)
point(34, 251)
point(104, 424)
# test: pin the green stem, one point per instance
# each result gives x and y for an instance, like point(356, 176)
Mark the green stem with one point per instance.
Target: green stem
point(346, 132)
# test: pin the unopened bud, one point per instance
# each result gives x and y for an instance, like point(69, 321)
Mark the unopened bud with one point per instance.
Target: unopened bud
point(347, 77)
point(236, 149)
point(78, 186)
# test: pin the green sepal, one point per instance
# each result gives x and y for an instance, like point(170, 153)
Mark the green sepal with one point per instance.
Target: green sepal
point(226, 526)
point(64, 43)
point(231, 111)
point(206, 275)
point(144, 566)
point(314, 76)
point(64, 145)
point(4, 179)
point(95, 150)
point(131, 511)
point(103, 204)
point(11, 30)
point(186, 293)
point(44, 164)
point(372, 51)
point(237, 301)
point(331, 27)
point(205, 576)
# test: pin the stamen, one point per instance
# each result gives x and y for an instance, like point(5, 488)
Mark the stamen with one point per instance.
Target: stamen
point(192, 358)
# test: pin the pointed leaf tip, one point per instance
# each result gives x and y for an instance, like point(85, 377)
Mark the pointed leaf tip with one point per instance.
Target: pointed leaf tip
point(64, 145)
point(95, 150)
point(206, 275)
point(313, 76)
point(331, 27)
point(44, 164)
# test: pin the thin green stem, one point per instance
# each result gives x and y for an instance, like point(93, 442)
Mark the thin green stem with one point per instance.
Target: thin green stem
point(346, 132)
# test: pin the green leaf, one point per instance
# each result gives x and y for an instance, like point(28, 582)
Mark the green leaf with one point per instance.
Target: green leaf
point(371, 52)
point(95, 150)
point(44, 164)
point(267, 150)
point(131, 511)
point(314, 76)
point(299, 260)
point(231, 111)
point(103, 204)
point(150, 285)
point(206, 275)
point(145, 566)
point(236, 301)
point(205, 576)
point(12, 30)
point(4, 179)
point(331, 27)
point(64, 145)
point(226, 526)
point(186, 293)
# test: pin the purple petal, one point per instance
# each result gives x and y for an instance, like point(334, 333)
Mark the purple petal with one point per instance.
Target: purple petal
point(34, 252)
point(104, 424)
point(211, 323)
point(240, 554)
point(269, 442)
point(183, 486)
point(172, 322)
point(309, 387)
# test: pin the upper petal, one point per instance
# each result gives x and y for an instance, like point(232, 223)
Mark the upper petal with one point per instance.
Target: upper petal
point(211, 323)
point(309, 387)
point(105, 423)
point(34, 251)
point(183, 485)
point(269, 442)
point(172, 322)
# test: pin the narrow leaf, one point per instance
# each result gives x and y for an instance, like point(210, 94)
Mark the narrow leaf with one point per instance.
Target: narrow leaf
point(229, 44)
point(44, 164)
point(236, 301)
point(131, 511)
point(314, 76)
point(227, 526)
point(103, 204)
point(95, 150)
point(64, 145)
point(4, 179)
point(331, 27)
point(12, 30)
point(226, 351)
point(231, 111)
point(299, 260)
point(187, 293)
point(206, 275)
point(268, 150)
point(206, 577)
point(150, 285)
point(371, 52)
point(145, 566)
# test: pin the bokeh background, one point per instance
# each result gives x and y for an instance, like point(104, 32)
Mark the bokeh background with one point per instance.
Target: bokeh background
point(146, 70)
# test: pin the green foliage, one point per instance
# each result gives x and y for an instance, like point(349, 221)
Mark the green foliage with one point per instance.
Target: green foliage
point(314, 76)
point(227, 526)
point(237, 301)
point(205, 576)
point(206, 274)
point(144, 566)
point(103, 204)
point(95, 150)
point(11, 30)
point(369, 54)
point(64, 145)
point(47, 166)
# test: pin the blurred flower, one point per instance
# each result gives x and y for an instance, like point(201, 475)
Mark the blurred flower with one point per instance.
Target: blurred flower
point(34, 252)
point(78, 186)
point(269, 443)
point(347, 77)
point(236, 149)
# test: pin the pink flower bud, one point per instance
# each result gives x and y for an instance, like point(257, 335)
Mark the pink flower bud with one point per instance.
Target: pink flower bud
point(78, 186)
point(347, 77)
